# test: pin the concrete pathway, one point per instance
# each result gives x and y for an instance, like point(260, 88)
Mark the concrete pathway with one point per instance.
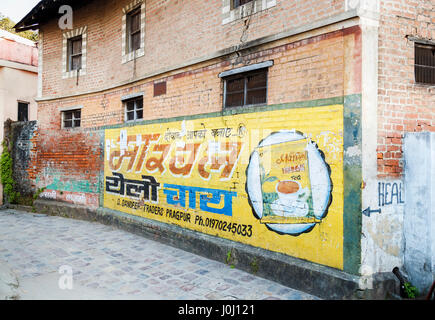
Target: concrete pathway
point(47, 255)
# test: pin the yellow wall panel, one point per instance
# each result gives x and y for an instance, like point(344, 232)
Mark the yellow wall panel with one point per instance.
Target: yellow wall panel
point(270, 179)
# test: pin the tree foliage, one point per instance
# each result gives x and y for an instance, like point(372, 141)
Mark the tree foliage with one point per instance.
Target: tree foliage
point(8, 25)
point(6, 176)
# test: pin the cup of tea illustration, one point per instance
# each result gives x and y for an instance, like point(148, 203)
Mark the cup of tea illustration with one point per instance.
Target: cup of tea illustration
point(288, 190)
point(292, 199)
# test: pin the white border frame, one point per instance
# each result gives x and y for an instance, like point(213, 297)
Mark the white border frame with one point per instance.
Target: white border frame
point(129, 56)
point(68, 35)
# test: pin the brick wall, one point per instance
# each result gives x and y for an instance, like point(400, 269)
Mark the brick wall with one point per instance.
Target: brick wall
point(315, 70)
point(404, 106)
point(175, 32)
point(308, 69)
point(66, 161)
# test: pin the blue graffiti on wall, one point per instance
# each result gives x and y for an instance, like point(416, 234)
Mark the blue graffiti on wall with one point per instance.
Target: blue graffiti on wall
point(390, 193)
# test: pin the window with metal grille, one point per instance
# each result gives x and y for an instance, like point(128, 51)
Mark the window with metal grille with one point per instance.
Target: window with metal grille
point(75, 53)
point(133, 109)
point(23, 111)
point(238, 3)
point(133, 27)
point(72, 118)
point(246, 89)
point(424, 64)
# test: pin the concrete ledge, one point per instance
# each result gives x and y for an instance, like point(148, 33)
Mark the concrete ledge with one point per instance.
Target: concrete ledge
point(321, 281)
point(20, 207)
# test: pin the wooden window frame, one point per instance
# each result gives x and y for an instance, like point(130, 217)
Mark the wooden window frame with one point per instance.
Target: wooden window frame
point(66, 65)
point(136, 12)
point(245, 90)
point(73, 118)
point(130, 53)
point(72, 55)
point(135, 109)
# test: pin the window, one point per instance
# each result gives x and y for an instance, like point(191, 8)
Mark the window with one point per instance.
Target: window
point(23, 111)
point(244, 89)
point(238, 3)
point(133, 109)
point(425, 63)
point(71, 118)
point(133, 31)
point(133, 25)
point(233, 10)
point(75, 53)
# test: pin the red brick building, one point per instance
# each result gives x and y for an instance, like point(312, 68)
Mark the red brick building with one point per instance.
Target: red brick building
point(132, 63)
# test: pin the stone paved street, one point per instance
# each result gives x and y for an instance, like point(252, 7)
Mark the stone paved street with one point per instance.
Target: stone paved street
point(109, 263)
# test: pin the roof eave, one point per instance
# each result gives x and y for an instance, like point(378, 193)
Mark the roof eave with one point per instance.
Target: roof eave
point(45, 10)
point(26, 23)
point(30, 27)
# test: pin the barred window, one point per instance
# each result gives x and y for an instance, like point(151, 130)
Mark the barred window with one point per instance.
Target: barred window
point(244, 89)
point(424, 63)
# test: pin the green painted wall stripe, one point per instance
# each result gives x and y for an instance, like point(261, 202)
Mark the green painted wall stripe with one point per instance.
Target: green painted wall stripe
point(101, 175)
point(352, 176)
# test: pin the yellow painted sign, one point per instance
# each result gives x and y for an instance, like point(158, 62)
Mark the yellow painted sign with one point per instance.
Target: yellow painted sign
point(270, 179)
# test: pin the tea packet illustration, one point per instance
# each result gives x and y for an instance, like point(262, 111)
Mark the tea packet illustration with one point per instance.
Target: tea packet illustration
point(285, 183)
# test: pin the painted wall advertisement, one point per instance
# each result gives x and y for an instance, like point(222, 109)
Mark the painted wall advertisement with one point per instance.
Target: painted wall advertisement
point(270, 179)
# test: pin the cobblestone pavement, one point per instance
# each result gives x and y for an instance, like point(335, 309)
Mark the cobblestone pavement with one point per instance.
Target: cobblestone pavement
point(108, 263)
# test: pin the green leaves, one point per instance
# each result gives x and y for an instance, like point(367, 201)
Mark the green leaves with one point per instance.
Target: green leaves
point(271, 179)
point(6, 176)
point(411, 291)
point(8, 25)
point(266, 177)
